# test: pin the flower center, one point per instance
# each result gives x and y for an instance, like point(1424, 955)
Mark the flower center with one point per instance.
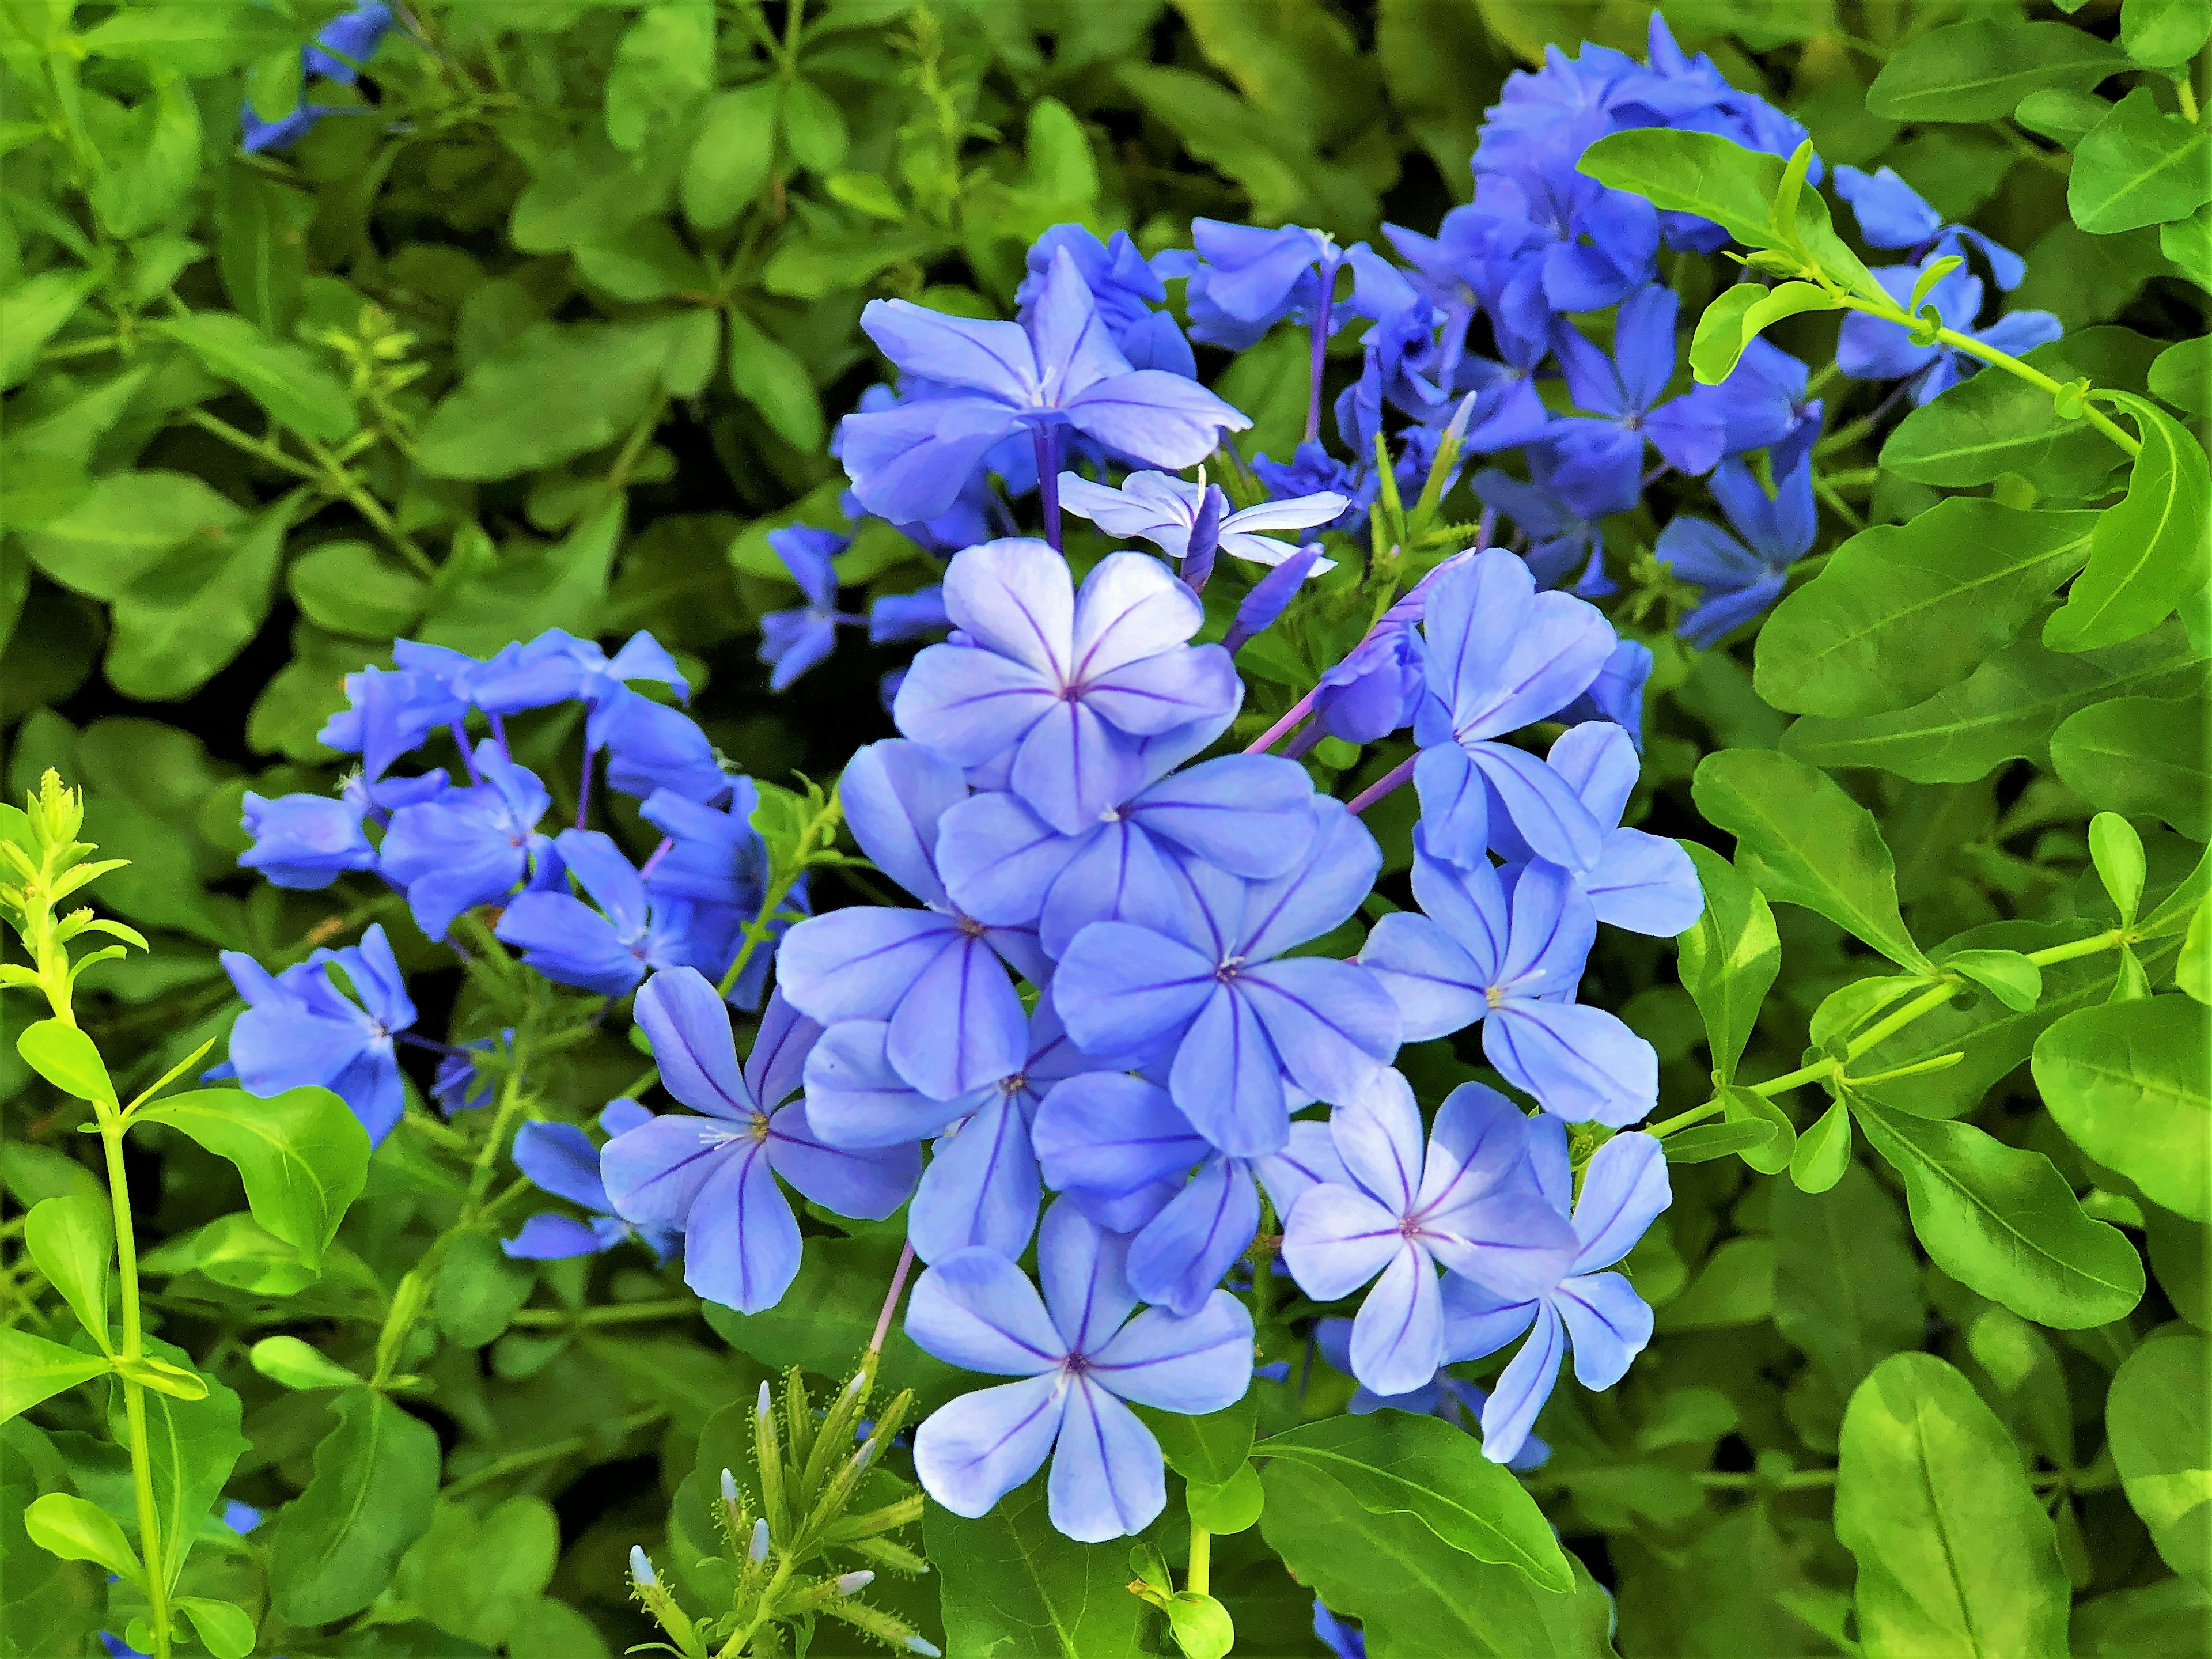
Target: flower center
point(1495, 996)
point(758, 1127)
point(1228, 969)
point(971, 928)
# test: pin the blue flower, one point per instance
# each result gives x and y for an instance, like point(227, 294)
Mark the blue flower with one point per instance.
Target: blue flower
point(1641, 882)
point(1345, 1641)
point(355, 35)
point(1375, 690)
point(1312, 471)
point(560, 1158)
point(1126, 288)
point(1052, 690)
point(793, 641)
point(652, 746)
point(306, 841)
point(1763, 406)
point(459, 1083)
point(389, 712)
point(298, 1030)
point(1245, 280)
point(1163, 510)
point(1624, 1188)
point(713, 1178)
point(907, 616)
point(608, 949)
point(1271, 596)
point(1203, 982)
point(1079, 1356)
point(931, 975)
point(1892, 214)
point(1058, 369)
point(1740, 581)
point(1470, 1204)
point(1468, 957)
point(1566, 540)
point(1120, 1152)
point(1443, 1396)
point(1602, 453)
point(713, 862)
point(468, 846)
point(1501, 656)
point(1617, 693)
point(1874, 349)
point(558, 667)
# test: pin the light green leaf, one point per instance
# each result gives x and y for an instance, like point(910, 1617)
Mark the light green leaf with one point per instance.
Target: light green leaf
point(2149, 551)
point(1955, 1555)
point(2140, 756)
point(68, 1058)
point(1394, 1463)
point(1232, 1506)
point(2193, 971)
point(226, 1629)
point(1980, 70)
point(195, 37)
point(333, 1548)
point(2159, 1419)
point(2183, 375)
point(31, 312)
point(1823, 1153)
point(479, 1289)
point(32, 1368)
point(292, 1364)
point(730, 157)
point(293, 384)
point(772, 378)
point(2008, 975)
point(2140, 167)
point(1729, 959)
point(1202, 1626)
point(2003, 1221)
point(663, 65)
point(1803, 841)
point(555, 393)
point(1846, 1283)
point(261, 247)
point(126, 526)
point(73, 1241)
point(302, 1155)
point(66, 1525)
point(1900, 612)
point(155, 164)
point(1698, 173)
point(2117, 852)
point(1010, 1584)
point(1208, 1449)
point(2126, 1081)
point(192, 1445)
point(2164, 34)
point(1992, 424)
point(813, 126)
point(349, 587)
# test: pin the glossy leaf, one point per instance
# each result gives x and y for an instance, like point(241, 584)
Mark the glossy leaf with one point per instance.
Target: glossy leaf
point(32, 1368)
point(73, 1241)
point(332, 1549)
point(2126, 1081)
point(2139, 167)
point(302, 1155)
point(1980, 70)
point(2159, 1425)
point(1729, 959)
point(63, 1524)
point(2140, 756)
point(2150, 551)
point(68, 1058)
point(1011, 1584)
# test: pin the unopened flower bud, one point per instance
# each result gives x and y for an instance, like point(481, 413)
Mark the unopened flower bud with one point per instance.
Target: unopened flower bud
point(852, 1583)
point(759, 1550)
point(729, 1489)
point(640, 1569)
point(922, 1645)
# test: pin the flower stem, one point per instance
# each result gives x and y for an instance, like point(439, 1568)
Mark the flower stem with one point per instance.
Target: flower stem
point(1275, 734)
point(1384, 785)
point(891, 1301)
point(1200, 1579)
point(134, 1395)
point(619, 1313)
point(1046, 441)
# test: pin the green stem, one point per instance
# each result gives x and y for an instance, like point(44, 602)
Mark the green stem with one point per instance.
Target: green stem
point(1200, 1579)
point(341, 482)
point(134, 1395)
point(2085, 947)
point(756, 930)
point(1926, 1002)
point(621, 1313)
point(2187, 95)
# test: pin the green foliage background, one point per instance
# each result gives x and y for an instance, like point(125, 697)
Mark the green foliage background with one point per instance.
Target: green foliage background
point(554, 336)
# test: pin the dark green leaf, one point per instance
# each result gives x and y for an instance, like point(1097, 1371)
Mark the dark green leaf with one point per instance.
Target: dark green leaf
point(334, 1547)
point(2141, 166)
point(302, 1155)
point(289, 382)
point(349, 587)
point(769, 375)
point(730, 157)
point(179, 623)
point(555, 393)
point(1846, 1285)
point(1980, 70)
point(126, 526)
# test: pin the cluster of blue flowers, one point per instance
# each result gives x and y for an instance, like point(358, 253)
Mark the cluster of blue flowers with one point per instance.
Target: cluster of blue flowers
point(1124, 981)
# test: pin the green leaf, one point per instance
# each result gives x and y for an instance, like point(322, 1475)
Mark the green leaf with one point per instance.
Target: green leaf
point(180, 622)
point(1846, 1283)
point(1394, 1463)
point(2004, 1222)
point(302, 1155)
point(2006, 710)
point(478, 1574)
point(1230, 1507)
point(1729, 959)
point(68, 1058)
point(813, 126)
point(2117, 852)
point(261, 247)
point(1702, 1143)
point(729, 161)
point(1208, 1449)
point(555, 393)
point(563, 585)
point(1202, 1626)
point(1418, 1597)
point(2159, 1425)
point(664, 63)
point(1980, 70)
point(349, 587)
point(73, 1241)
point(1823, 1153)
point(2126, 1081)
point(479, 1289)
point(2193, 971)
point(1746, 1107)
point(192, 1445)
point(153, 161)
point(1733, 1285)
point(333, 1548)
point(195, 37)
point(2008, 975)
point(2164, 34)
point(76, 1530)
point(126, 526)
point(2183, 375)
point(1899, 611)
point(1012, 1585)
point(1803, 841)
point(291, 1364)
point(2140, 167)
point(2140, 756)
point(1955, 1555)
point(293, 384)
point(770, 376)
point(2149, 551)
point(32, 311)
point(1698, 173)
point(225, 1628)
point(32, 1368)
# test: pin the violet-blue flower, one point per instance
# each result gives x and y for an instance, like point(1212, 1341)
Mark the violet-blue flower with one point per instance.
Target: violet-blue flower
point(1126, 290)
point(933, 975)
point(352, 35)
point(1444, 1396)
point(1763, 404)
point(907, 616)
point(468, 846)
point(1874, 348)
point(1059, 369)
point(1470, 955)
point(1080, 1355)
point(713, 1177)
point(1271, 595)
point(560, 1158)
point(1243, 279)
point(306, 841)
point(1245, 1024)
point(1625, 396)
point(1741, 578)
point(1617, 693)
point(1051, 688)
point(558, 667)
point(1624, 1188)
point(1162, 509)
point(1566, 538)
point(1469, 1203)
point(300, 1030)
point(795, 640)
point(607, 950)
point(1893, 214)
point(652, 746)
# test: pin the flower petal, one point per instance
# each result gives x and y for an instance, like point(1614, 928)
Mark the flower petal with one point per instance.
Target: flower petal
point(868, 1185)
point(1377, 1135)
point(1120, 987)
point(1609, 1324)
point(1522, 1389)
point(894, 793)
point(1336, 1239)
point(1625, 1186)
point(741, 1248)
point(1108, 1478)
point(976, 1310)
point(973, 1452)
point(1397, 1337)
point(855, 1097)
point(961, 1025)
point(1333, 1024)
point(1582, 1063)
point(860, 963)
point(980, 1187)
point(1183, 1252)
point(1195, 1364)
point(1082, 1269)
point(1437, 986)
point(653, 1173)
point(1227, 1078)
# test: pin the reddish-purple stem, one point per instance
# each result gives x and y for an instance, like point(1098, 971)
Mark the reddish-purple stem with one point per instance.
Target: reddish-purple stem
point(1382, 786)
point(1275, 734)
point(890, 1302)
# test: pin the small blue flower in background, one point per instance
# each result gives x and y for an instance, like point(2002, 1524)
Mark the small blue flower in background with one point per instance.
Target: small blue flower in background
point(714, 864)
point(390, 711)
point(712, 1178)
point(1079, 1356)
point(306, 841)
point(607, 950)
point(1641, 882)
point(1470, 1204)
point(1617, 693)
point(1892, 214)
point(1271, 595)
point(1741, 578)
point(468, 846)
point(355, 35)
point(558, 667)
point(1473, 955)
point(460, 1085)
point(1209, 983)
point(1056, 369)
point(1445, 1395)
point(1159, 508)
point(1127, 289)
point(1601, 454)
point(1624, 1188)
point(907, 616)
point(1345, 1641)
point(1763, 406)
point(1245, 280)
point(1048, 689)
point(1501, 656)
point(793, 641)
point(1872, 348)
point(652, 746)
point(1561, 518)
point(298, 1030)
point(560, 1158)
point(933, 975)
